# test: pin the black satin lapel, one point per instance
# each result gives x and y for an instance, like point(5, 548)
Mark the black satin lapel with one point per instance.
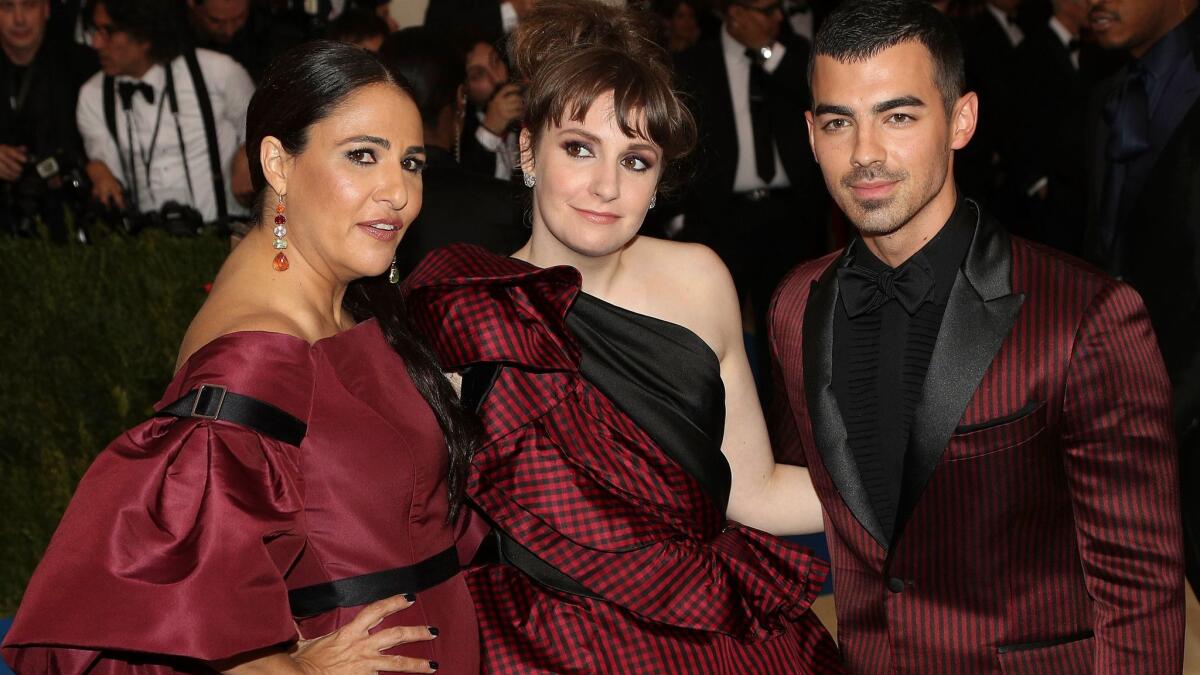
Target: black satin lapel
point(829, 429)
point(979, 316)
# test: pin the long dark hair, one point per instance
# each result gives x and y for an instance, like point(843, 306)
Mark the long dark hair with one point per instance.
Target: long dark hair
point(303, 86)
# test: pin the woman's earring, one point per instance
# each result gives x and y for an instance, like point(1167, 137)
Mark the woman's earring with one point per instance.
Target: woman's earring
point(653, 200)
point(281, 262)
point(530, 180)
point(393, 273)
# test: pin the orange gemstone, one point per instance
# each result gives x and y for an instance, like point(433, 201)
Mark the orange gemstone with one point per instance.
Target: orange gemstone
point(281, 262)
point(279, 207)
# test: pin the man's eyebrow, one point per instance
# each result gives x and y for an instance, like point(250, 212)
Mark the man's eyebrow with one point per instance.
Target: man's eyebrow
point(377, 140)
point(829, 109)
point(900, 102)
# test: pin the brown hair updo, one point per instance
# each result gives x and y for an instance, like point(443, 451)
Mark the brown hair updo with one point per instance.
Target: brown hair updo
point(573, 51)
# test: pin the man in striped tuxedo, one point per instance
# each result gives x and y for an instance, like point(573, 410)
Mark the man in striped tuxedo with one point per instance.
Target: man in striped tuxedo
point(986, 421)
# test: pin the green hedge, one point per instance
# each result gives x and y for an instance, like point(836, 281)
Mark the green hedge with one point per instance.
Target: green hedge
point(88, 339)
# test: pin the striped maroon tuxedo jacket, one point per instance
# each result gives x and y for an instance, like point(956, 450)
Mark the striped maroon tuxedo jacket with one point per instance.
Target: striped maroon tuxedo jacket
point(1038, 528)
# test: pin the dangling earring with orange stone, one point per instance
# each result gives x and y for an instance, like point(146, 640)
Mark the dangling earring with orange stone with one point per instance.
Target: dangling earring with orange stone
point(281, 262)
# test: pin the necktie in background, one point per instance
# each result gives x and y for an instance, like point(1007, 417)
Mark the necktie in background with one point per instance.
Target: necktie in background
point(760, 119)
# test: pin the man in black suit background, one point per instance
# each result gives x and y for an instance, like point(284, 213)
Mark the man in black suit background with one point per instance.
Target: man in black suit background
point(1045, 176)
point(459, 206)
point(40, 76)
point(495, 107)
point(757, 199)
point(990, 39)
point(1143, 207)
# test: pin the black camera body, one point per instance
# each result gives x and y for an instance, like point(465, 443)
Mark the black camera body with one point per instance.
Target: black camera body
point(46, 186)
point(180, 220)
point(173, 218)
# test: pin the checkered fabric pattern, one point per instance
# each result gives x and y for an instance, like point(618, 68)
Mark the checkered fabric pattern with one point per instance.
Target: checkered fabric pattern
point(570, 477)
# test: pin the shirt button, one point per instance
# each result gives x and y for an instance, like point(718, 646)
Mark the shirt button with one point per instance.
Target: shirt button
point(895, 585)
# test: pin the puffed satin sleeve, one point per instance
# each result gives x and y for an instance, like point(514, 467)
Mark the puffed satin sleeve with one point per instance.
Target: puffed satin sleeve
point(175, 544)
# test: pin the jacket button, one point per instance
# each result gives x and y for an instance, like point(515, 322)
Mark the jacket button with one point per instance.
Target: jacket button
point(895, 585)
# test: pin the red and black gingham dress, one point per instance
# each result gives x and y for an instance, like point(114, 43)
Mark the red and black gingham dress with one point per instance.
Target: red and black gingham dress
point(569, 475)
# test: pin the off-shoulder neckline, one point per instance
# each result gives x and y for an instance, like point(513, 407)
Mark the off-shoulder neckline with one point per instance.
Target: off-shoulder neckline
point(269, 334)
point(683, 330)
point(693, 334)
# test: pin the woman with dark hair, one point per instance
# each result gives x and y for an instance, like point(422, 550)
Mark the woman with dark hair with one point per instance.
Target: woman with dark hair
point(304, 468)
point(621, 420)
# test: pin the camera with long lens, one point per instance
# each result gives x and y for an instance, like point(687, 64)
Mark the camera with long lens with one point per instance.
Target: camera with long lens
point(46, 186)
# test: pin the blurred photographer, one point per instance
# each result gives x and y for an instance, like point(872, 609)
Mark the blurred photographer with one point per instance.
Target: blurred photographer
point(163, 124)
point(39, 144)
point(497, 104)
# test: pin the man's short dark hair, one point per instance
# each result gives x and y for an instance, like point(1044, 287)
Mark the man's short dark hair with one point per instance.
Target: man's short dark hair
point(162, 23)
point(859, 29)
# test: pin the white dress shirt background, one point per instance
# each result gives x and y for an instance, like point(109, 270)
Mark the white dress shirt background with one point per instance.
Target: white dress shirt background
point(737, 67)
point(229, 88)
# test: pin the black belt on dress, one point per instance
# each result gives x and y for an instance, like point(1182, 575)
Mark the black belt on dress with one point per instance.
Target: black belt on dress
point(366, 588)
point(500, 549)
point(214, 402)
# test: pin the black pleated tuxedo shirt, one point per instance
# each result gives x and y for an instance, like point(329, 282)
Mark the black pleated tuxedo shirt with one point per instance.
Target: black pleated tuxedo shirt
point(880, 358)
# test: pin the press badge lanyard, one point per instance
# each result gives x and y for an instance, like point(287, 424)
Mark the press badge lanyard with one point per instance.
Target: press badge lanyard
point(147, 156)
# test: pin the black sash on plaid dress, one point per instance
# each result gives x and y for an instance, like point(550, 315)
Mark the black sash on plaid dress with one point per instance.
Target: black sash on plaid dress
point(665, 378)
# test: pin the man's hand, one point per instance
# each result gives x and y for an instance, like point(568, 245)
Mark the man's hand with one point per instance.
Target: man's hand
point(12, 162)
point(105, 187)
point(505, 107)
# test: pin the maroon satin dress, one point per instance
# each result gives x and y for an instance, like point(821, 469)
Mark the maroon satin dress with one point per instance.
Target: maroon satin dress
point(185, 535)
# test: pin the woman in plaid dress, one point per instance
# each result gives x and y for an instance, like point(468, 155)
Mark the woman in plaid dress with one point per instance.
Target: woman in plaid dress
point(626, 477)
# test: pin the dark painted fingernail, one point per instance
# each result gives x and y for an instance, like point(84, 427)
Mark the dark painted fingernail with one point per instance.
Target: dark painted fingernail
point(433, 665)
point(433, 630)
point(411, 597)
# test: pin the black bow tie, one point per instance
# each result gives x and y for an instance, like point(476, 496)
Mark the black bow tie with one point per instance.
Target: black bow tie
point(1074, 45)
point(864, 290)
point(127, 89)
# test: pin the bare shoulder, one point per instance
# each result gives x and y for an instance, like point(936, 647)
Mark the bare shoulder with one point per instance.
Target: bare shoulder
point(688, 284)
point(216, 319)
point(682, 266)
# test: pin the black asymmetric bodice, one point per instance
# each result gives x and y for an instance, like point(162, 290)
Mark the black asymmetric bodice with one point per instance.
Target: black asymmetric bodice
point(665, 378)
